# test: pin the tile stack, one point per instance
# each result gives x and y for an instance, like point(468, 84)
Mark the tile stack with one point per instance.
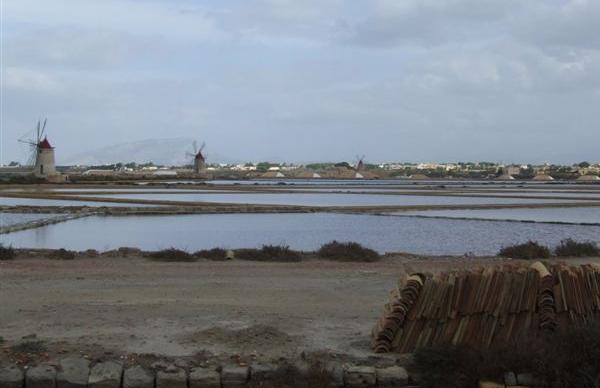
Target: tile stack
point(395, 313)
point(488, 306)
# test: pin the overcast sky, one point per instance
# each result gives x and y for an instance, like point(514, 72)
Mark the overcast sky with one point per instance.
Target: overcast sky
point(308, 80)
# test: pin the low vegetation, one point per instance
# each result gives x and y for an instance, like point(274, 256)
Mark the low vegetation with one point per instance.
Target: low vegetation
point(572, 248)
point(567, 248)
point(347, 251)
point(62, 254)
point(281, 253)
point(527, 251)
point(212, 254)
point(171, 255)
point(29, 346)
point(7, 253)
point(566, 358)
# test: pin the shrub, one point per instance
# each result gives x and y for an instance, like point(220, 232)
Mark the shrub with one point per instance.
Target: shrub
point(573, 248)
point(171, 255)
point(269, 253)
point(565, 358)
point(62, 254)
point(570, 358)
point(212, 254)
point(29, 346)
point(347, 251)
point(529, 250)
point(7, 253)
point(448, 366)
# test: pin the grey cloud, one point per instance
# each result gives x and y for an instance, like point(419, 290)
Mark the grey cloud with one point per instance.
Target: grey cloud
point(315, 80)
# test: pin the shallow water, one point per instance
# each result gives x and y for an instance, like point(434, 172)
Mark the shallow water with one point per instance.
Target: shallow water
point(317, 199)
point(9, 201)
point(7, 219)
point(588, 215)
point(300, 231)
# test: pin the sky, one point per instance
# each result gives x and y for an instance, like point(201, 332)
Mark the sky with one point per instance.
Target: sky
point(308, 80)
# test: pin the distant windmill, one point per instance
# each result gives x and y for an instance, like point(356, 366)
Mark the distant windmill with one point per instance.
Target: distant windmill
point(198, 157)
point(41, 157)
point(359, 165)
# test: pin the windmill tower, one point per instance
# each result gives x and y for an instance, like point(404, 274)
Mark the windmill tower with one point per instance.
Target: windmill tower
point(199, 159)
point(42, 153)
point(360, 165)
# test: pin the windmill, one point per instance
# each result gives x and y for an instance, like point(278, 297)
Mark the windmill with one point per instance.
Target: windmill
point(198, 157)
point(359, 165)
point(41, 157)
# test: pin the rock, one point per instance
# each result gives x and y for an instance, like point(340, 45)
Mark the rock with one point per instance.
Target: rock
point(526, 379)
point(360, 377)
point(204, 378)
point(11, 377)
point(230, 255)
point(42, 376)
point(510, 378)
point(138, 377)
point(234, 376)
point(106, 375)
point(391, 377)
point(175, 378)
point(74, 373)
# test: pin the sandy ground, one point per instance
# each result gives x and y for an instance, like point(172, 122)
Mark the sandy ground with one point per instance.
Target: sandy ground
point(270, 310)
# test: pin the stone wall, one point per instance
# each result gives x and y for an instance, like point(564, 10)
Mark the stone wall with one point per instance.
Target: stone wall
point(75, 372)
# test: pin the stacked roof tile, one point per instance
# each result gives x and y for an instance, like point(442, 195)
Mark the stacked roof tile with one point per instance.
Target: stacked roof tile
point(486, 307)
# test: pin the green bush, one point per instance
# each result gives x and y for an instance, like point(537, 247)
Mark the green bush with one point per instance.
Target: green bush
point(347, 251)
point(212, 254)
point(269, 253)
point(527, 251)
point(62, 254)
point(7, 253)
point(171, 255)
point(572, 248)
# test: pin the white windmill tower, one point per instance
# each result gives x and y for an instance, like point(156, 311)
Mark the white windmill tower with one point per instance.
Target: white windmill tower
point(199, 160)
point(42, 153)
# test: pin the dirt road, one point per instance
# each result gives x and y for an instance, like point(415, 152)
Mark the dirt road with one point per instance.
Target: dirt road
point(176, 309)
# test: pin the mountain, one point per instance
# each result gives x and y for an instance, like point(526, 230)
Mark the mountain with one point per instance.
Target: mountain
point(169, 152)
